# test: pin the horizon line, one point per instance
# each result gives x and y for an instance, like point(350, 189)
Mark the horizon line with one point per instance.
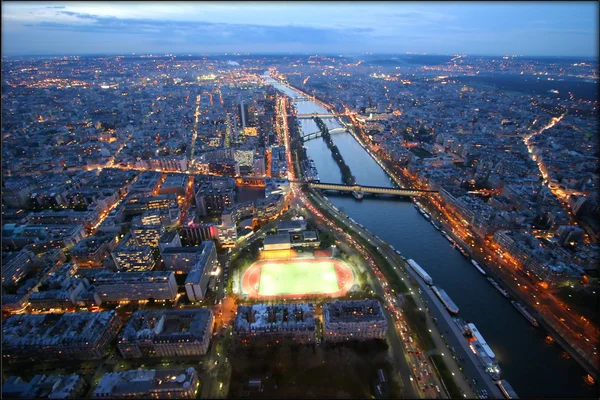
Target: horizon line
point(239, 54)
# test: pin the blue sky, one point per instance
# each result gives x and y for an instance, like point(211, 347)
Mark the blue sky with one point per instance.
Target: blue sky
point(486, 28)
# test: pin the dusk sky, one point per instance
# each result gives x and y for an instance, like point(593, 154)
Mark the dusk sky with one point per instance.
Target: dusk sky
point(486, 28)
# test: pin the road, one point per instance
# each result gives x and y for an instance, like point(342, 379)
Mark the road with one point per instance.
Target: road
point(469, 368)
point(580, 336)
point(410, 388)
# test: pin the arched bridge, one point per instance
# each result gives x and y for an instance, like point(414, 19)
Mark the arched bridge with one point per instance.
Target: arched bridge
point(310, 116)
point(369, 189)
point(314, 135)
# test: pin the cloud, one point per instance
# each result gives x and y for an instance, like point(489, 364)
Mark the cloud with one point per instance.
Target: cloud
point(200, 31)
point(57, 7)
point(81, 15)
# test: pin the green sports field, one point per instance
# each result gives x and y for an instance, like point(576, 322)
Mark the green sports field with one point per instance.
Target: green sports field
point(297, 277)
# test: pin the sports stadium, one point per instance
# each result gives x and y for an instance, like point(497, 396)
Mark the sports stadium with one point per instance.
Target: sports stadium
point(297, 279)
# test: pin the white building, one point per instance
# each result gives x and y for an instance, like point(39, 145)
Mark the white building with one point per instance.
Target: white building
point(155, 384)
point(127, 286)
point(275, 323)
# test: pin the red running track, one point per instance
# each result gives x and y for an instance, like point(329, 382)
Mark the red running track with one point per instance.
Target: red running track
point(251, 280)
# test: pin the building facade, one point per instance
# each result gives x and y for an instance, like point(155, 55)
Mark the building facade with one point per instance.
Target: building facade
point(172, 333)
point(353, 320)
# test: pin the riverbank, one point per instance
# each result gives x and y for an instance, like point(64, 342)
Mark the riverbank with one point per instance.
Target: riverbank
point(546, 324)
point(347, 176)
point(533, 367)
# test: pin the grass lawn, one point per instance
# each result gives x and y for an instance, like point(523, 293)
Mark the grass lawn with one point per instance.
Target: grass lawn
point(297, 278)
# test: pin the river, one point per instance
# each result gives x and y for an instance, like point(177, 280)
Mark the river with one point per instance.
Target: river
point(533, 367)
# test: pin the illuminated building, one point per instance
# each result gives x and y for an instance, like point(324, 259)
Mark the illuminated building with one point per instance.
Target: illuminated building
point(171, 333)
point(277, 242)
point(147, 183)
point(353, 320)
point(233, 214)
point(269, 207)
point(129, 256)
point(214, 197)
point(168, 163)
point(40, 236)
point(134, 286)
point(227, 235)
point(73, 336)
point(67, 217)
point(224, 168)
point(60, 290)
point(45, 387)
point(147, 235)
point(137, 205)
point(183, 259)
point(91, 251)
point(274, 324)
point(546, 265)
point(174, 184)
point(16, 265)
point(162, 216)
point(154, 384)
point(196, 233)
point(198, 278)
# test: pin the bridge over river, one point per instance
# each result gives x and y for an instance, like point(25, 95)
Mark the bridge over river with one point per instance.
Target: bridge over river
point(360, 189)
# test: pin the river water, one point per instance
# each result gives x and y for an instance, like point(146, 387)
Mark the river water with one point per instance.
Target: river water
point(533, 367)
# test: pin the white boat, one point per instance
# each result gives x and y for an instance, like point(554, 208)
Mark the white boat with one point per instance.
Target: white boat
point(446, 300)
point(498, 288)
point(477, 266)
point(420, 271)
point(525, 313)
point(506, 389)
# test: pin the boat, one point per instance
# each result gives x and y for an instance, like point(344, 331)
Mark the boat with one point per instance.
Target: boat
point(435, 225)
point(448, 237)
point(358, 195)
point(498, 288)
point(525, 313)
point(477, 266)
point(463, 251)
point(506, 389)
point(420, 271)
point(479, 346)
point(427, 217)
point(589, 380)
point(446, 300)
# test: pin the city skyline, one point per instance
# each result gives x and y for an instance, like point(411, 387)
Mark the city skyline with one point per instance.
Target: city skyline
point(480, 28)
point(287, 200)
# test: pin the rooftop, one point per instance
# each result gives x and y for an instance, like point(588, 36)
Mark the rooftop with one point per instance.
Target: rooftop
point(353, 311)
point(259, 317)
point(170, 325)
point(40, 330)
point(144, 381)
